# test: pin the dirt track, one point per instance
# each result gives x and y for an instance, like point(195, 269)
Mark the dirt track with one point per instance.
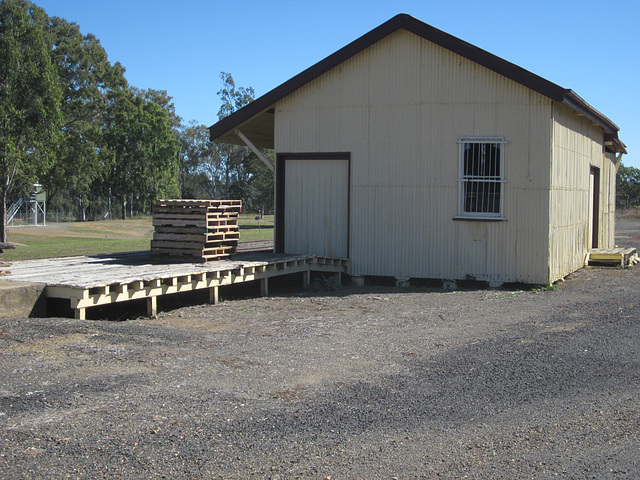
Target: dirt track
point(360, 383)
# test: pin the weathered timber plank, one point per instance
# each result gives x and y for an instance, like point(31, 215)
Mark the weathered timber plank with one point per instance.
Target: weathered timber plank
point(613, 250)
point(171, 220)
point(168, 253)
point(164, 244)
point(222, 223)
point(228, 211)
point(202, 237)
point(179, 222)
point(200, 203)
point(189, 201)
point(179, 216)
point(221, 228)
point(217, 250)
point(169, 229)
point(196, 209)
point(209, 258)
point(192, 244)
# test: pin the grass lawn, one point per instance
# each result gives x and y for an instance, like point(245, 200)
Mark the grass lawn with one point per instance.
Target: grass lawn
point(90, 238)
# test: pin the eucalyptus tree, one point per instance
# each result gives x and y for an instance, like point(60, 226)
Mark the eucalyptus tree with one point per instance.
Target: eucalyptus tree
point(145, 151)
point(162, 99)
point(29, 100)
point(199, 163)
point(86, 77)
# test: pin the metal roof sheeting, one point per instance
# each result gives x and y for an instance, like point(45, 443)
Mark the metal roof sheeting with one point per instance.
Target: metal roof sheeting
point(223, 129)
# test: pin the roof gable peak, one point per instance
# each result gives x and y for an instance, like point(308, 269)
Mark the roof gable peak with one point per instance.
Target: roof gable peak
point(431, 34)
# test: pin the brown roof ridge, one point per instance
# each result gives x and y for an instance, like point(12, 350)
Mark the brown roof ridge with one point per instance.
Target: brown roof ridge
point(434, 35)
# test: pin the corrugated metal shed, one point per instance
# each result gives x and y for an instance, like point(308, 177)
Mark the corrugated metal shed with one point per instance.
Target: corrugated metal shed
point(398, 101)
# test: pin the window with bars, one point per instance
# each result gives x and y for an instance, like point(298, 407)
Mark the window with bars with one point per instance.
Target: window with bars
point(481, 177)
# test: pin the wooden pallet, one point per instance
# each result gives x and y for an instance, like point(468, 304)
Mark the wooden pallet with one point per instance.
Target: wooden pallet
point(195, 230)
point(191, 237)
point(198, 202)
point(622, 257)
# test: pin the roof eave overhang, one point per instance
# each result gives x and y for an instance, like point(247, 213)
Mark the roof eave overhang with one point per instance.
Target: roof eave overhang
point(258, 128)
point(579, 105)
point(613, 144)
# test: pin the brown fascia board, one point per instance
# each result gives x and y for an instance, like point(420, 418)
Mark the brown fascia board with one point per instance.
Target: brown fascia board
point(576, 102)
point(432, 34)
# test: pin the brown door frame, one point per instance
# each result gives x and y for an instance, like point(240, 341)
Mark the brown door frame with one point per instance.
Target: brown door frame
point(281, 160)
point(595, 201)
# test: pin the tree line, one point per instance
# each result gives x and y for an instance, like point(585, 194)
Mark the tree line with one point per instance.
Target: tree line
point(628, 187)
point(69, 120)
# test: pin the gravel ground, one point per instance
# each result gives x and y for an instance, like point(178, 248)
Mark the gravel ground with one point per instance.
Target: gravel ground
point(362, 383)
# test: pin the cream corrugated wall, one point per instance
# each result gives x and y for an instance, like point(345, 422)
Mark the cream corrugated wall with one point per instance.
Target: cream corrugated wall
point(399, 107)
point(577, 145)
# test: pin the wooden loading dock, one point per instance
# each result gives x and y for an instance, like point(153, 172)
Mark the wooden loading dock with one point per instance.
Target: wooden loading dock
point(92, 281)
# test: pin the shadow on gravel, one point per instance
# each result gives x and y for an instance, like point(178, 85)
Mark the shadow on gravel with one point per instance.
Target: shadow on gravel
point(481, 380)
point(543, 385)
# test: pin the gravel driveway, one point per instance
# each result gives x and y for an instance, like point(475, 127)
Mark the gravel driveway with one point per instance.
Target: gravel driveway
point(363, 383)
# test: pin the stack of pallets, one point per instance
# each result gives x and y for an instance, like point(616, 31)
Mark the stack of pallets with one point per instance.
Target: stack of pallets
point(195, 230)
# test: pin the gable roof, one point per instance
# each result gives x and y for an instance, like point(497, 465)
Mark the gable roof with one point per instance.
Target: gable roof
point(256, 118)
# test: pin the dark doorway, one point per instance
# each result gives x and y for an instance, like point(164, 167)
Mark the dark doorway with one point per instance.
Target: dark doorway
point(594, 220)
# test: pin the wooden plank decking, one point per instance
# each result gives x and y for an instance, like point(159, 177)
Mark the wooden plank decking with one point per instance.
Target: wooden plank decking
point(623, 257)
point(90, 281)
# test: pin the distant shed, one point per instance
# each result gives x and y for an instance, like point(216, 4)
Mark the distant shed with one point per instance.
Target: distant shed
point(415, 154)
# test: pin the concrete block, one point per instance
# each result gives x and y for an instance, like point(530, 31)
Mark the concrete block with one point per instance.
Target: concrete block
point(22, 299)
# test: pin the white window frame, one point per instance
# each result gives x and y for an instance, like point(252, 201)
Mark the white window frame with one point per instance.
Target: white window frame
point(463, 179)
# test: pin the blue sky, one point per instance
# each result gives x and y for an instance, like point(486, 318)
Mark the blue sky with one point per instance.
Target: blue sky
point(182, 45)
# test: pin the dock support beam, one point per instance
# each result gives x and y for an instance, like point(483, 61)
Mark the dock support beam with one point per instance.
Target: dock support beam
point(79, 313)
point(213, 295)
point(264, 287)
point(306, 279)
point(152, 306)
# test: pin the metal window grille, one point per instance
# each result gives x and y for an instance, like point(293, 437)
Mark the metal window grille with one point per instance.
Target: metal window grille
point(481, 180)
